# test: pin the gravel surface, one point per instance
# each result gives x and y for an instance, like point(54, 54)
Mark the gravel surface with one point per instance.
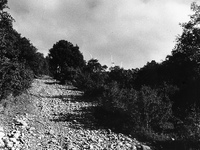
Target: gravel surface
point(62, 121)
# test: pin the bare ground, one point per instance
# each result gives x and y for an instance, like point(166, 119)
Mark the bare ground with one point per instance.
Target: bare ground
point(58, 118)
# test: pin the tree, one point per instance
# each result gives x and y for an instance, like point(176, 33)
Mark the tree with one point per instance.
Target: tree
point(64, 59)
point(123, 77)
point(183, 66)
point(92, 78)
point(14, 76)
point(187, 48)
point(93, 65)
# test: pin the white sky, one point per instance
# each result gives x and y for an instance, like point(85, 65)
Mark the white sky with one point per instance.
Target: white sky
point(132, 31)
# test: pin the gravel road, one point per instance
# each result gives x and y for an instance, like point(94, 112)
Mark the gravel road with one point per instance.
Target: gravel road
point(63, 121)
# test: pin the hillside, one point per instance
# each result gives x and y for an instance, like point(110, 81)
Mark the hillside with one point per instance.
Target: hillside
point(54, 117)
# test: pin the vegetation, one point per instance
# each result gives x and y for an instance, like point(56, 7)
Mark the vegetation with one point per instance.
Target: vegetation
point(19, 59)
point(65, 60)
point(159, 101)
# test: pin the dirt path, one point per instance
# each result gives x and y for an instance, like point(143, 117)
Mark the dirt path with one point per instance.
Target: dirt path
point(61, 120)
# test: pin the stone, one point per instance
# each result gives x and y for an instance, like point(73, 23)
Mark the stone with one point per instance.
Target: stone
point(14, 140)
point(39, 144)
point(9, 144)
point(91, 147)
point(2, 134)
point(51, 132)
point(144, 147)
point(17, 134)
point(74, 121)
point(112, 146)
point(128, 145)
point(1, 129)
point(120, 144)
point(54, 140)
point(22, 122)
point(133, 147)
point(69, 146)
point(1, 108)
point(31, 128)
point(2, 144)
point(139, 147)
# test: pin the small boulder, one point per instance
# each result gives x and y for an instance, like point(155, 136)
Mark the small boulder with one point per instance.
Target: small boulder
point(21, 122)
point(133, 147)
point(2, 134)
point(2, 144)
point(9, 144)
point(144, 147)
point(14, 140)
point(17, 134)
point(51, 131)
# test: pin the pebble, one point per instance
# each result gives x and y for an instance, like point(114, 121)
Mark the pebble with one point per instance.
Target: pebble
point(1, 129)
point(9, 144)
point(17, 134)
point(51, 131)
point(133, 147)
point(2, 144)
point(128, 145)
point(31, 128)
point(2, 134)
point(91, 147)
point(14, 140)
point(144, 147)
point(22, 122)
point(73, 139)
point(54, 140)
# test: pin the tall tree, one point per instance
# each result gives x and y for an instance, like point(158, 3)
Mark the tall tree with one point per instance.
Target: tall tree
point(183, 66)
point(14, 77)
point(64, 60)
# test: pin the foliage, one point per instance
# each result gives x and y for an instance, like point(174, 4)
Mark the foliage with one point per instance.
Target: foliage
point(92, 78)
point(14, 78)
point(19, 60)
point(64, 59)
point(157, 99)
point(123, 77)
point(28, 55)
point(146, 109)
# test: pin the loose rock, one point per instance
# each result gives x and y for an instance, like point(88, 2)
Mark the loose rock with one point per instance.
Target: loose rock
point(60, 124)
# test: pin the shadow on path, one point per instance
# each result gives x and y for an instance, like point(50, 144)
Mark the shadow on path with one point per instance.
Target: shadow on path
point(51, 83)
point(82, 118)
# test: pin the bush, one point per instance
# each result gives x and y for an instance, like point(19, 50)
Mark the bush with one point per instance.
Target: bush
point(14, 78)
point(188, 129)
point(145, 109)
point(64, 60)
point(92, 78)
point(92, 84)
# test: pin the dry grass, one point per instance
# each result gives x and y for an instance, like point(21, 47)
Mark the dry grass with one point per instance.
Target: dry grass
point(19, 105)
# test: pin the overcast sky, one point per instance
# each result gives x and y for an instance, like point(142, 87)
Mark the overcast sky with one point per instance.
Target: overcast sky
point(131, 31)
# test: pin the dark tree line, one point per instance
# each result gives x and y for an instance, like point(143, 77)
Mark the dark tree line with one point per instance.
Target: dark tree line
point(65, 60)
point(19, 59)
point(159, 100)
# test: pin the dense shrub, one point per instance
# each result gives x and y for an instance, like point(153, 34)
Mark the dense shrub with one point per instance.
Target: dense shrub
point(92, 78)
point(188, 129)
point(123, 77)
point(19, 59)
point(64, 59)
point(157, 99)
point(14, 78)
point(146, 109)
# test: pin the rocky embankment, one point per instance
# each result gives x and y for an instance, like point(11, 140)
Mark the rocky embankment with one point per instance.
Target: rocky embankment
point(60, 120)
